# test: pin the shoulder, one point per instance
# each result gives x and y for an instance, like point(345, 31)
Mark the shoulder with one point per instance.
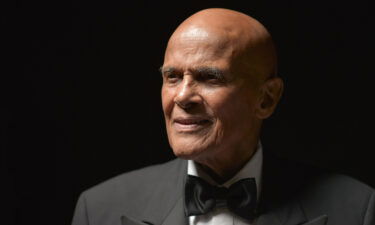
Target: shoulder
point(326, 182)
point(337, 190)
point(138, 185)
point(314, 183)
point(302, 176)
point(319, 192)
point(344, 199)
point(327, 192)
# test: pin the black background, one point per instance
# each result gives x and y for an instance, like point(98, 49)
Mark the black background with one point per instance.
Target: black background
point(80, 93)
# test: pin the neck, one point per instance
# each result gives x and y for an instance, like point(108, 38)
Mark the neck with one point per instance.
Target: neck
point(223, 170)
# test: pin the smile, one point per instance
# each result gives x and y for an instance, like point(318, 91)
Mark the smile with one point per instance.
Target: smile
point(189, 125)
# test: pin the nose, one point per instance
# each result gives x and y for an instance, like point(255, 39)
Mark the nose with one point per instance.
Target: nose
point(187, 94)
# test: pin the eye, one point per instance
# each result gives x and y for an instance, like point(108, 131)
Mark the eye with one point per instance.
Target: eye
point(172, 77)
point(210, 78)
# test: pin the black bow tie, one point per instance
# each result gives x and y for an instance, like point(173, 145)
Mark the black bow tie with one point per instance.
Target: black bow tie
point(201, 197)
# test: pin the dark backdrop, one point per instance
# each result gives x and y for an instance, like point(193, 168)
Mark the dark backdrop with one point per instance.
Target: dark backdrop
point(80, 93)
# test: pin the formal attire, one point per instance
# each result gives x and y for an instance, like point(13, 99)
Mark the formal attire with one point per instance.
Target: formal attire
point(291, 194)
point(222, 215)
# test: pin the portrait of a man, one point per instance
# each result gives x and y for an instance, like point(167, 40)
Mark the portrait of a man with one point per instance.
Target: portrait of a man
point(219, 83)
point(198, 112)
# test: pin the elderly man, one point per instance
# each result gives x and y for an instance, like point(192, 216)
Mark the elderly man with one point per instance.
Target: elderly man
point(219, 84)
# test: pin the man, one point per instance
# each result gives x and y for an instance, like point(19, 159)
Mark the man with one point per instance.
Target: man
point(219, 84)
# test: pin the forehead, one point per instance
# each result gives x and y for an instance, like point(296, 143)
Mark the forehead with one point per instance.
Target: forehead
point(198, 47)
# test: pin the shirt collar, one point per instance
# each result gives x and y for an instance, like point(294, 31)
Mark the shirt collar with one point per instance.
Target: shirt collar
point(252, 169)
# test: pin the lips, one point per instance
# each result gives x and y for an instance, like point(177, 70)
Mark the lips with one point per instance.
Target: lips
point(190, 124)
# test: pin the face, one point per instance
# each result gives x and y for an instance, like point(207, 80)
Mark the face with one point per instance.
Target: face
point(209, 106)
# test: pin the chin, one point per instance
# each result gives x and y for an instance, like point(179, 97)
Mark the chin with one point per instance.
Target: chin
point(189, 151)
point(191, 146)
point(186, 153)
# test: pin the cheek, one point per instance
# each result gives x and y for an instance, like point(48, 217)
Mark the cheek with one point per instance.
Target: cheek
point(233, 109)
point(167, 101)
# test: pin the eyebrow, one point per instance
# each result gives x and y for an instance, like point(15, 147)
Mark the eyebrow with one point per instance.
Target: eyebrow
point(163, 70)
point(218, 73)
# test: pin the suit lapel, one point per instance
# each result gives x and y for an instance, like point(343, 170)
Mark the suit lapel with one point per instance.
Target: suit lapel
point(282, 184)
point(166, 206)
point(290, 214)
point(127, 220)
point(278, 202)
point(321, 220)
point(176, 216)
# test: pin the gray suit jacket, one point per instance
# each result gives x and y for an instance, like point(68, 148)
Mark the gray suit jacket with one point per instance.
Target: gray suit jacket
point(292, 194)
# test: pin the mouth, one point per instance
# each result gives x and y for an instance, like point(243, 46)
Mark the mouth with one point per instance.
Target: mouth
point(191, 124)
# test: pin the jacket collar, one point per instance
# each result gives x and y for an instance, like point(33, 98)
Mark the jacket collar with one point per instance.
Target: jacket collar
point(173, 213)
point(277, 205)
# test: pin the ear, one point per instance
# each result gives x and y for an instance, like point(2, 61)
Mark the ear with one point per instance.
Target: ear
point(270, 94)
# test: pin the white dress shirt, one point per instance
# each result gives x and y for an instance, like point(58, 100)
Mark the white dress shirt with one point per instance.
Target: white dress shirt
point(222, 216)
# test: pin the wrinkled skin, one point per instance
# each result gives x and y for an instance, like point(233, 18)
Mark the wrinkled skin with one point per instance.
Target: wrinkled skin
point(218, 86)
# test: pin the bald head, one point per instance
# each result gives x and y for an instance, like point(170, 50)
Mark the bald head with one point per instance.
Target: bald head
point(242, 38)
point(217, 88)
